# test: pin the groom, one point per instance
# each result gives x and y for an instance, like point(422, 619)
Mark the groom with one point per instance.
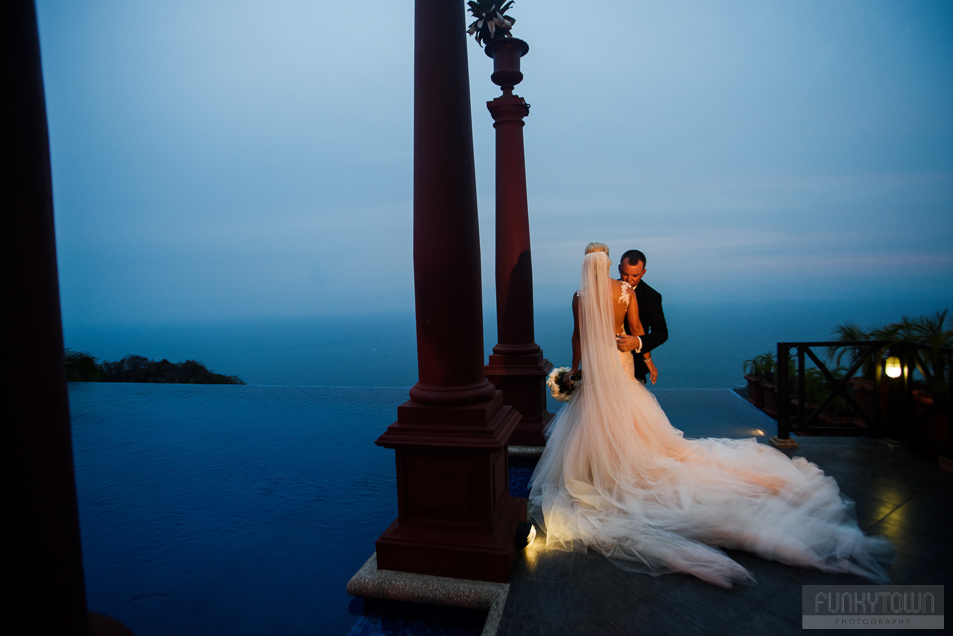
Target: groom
point(631, 271)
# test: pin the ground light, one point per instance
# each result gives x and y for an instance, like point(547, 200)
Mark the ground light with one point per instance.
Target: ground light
point(525, 535)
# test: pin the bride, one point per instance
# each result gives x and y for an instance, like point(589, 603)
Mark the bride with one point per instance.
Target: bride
point(618, 478)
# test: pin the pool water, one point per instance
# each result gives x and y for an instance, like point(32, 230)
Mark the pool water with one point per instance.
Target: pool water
point(230, 509)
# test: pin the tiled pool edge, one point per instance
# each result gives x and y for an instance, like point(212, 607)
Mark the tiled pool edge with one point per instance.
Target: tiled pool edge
point(372, 582)
point(529, 452)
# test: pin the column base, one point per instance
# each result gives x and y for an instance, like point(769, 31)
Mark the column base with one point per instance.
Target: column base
point(783, 444)
point(522, 379)
point(456, 516)
point(486, 556)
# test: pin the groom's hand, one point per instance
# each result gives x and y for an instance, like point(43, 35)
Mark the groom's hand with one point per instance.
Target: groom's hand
point(627, 343)
point(653, 370)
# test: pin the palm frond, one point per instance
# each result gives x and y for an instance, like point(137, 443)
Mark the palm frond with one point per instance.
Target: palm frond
point(491, 22)
point(80, 366)
point(847, 332)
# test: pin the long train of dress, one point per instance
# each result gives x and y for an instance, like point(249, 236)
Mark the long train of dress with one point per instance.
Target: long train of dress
point(618, 478)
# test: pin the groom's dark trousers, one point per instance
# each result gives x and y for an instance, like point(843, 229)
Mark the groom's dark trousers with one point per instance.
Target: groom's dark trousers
point(653, 322)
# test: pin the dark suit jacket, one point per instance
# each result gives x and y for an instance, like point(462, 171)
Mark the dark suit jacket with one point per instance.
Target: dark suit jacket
point(653, 321)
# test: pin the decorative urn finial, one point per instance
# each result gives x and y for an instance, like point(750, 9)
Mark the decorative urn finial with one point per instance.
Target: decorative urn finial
point(506, 54)
point(492, 27)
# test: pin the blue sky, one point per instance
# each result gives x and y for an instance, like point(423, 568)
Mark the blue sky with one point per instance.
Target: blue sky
point(232, 159)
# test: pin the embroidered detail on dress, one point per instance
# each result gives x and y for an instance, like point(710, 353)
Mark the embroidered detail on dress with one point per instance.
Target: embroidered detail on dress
point(624, 296)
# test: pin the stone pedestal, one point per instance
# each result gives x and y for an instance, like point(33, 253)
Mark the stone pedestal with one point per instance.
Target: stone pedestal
point(456, 517)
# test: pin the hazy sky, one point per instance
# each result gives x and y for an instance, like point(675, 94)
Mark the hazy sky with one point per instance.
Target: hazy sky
point(216, 159)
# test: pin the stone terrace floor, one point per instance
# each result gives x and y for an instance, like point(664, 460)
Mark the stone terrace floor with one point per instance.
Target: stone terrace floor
point(898, 492)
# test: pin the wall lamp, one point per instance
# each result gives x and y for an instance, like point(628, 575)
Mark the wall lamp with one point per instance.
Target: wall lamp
point(893, 367)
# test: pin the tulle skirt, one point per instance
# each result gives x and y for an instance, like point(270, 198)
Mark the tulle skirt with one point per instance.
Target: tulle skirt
point(618, 478)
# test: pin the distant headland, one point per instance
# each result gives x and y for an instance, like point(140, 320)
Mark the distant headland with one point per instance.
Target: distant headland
point(82, 367)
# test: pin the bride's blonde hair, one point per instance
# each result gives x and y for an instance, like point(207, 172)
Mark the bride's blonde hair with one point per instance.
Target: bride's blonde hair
point(597, 247)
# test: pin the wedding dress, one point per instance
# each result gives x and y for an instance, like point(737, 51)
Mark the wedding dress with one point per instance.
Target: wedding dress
point(618, 478)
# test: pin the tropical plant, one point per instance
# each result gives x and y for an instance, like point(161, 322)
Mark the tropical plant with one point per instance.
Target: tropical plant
point(933, 334)
point(80, 366)
point(851, 332)
point(491, 22)
point(752, 367)
point(763, 367)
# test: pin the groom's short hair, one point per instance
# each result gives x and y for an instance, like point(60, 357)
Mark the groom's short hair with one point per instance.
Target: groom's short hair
point(634, 256)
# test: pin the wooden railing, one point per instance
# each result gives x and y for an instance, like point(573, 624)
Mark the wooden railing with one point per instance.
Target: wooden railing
point(897, 408)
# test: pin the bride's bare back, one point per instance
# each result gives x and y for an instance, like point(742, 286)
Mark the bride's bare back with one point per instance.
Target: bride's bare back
point(625, 308)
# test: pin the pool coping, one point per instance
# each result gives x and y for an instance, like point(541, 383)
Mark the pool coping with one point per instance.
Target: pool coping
point(373, 582)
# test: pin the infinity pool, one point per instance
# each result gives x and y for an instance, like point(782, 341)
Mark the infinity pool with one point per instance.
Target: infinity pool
point(230, 509)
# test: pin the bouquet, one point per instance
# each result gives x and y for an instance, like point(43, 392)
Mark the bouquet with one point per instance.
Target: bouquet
point(555, 383)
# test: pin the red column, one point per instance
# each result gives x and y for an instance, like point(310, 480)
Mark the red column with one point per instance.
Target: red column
point(45, 566)
point(455, 514)
point(517, 366)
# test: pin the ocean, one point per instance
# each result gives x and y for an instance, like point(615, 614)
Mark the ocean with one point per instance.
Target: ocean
point(708, 341)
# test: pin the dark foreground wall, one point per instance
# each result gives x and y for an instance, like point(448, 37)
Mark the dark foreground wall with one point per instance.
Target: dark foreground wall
point(39, 491)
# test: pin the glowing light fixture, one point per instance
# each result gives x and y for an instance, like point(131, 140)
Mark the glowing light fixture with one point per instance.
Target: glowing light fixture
point(525, 534)
point(892, 367)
